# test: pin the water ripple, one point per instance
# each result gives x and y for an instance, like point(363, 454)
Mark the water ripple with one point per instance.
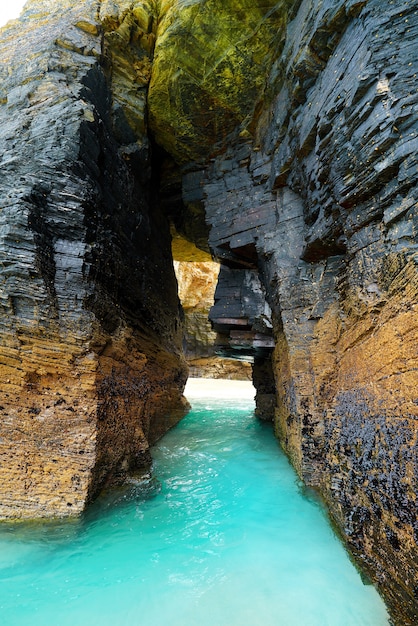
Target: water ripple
point(219, 535)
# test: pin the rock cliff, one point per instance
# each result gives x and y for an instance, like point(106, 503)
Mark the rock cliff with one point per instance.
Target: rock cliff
point(324, 207)
point(280, 136)
point(90, 356)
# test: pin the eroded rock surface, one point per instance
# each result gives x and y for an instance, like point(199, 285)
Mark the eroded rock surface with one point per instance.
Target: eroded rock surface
point(91, 364)
point(292, 127)
point(210, 71)
point(325, 207)
point(197, 281)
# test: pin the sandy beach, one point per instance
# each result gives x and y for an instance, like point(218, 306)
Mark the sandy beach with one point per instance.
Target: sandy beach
point(219, 388)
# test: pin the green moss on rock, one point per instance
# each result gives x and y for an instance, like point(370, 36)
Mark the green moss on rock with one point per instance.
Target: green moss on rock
point(210, 66)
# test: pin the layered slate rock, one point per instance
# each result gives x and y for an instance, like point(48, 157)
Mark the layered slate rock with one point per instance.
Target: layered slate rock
point(349, 152)
point(197, 276)
point(324, 204)
point(90, 358)
point(293, 127)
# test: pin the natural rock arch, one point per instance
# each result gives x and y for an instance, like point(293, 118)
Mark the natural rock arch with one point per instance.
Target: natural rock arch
point(307, 179)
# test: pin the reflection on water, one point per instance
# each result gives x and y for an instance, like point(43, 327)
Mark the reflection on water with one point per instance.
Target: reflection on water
point(221, 534)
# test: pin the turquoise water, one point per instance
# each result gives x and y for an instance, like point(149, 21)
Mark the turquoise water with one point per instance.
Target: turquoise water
point(222, 535)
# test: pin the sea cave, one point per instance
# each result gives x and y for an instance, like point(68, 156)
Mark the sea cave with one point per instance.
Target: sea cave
point(152, 149)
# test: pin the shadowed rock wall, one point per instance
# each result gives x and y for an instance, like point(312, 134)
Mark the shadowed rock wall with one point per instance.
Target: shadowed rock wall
point(90, 357)
point(210, 68)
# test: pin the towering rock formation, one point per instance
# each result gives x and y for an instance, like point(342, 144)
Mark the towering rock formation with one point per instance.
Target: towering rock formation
point(90, 358)
point(325, 206)
point(291, 128)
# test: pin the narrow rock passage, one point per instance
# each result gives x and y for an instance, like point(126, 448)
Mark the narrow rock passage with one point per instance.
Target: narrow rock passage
point(221, 534)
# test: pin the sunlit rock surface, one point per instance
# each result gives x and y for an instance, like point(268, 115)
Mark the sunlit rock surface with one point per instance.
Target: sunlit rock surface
point(196, 287)
point(291, 128)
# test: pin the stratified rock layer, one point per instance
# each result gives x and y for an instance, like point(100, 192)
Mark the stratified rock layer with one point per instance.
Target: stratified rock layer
point(293, 127)
point(325, 207)
point(196, 286)
point(90, 356)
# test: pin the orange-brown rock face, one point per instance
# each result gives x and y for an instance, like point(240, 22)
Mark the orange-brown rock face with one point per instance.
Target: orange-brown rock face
point(196, 286)
point(74, 421)
point(139, 398)
point(48, 427)
point(91, 367)
point(371, 431)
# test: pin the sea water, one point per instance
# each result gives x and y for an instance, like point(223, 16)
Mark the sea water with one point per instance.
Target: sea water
point(221, 534)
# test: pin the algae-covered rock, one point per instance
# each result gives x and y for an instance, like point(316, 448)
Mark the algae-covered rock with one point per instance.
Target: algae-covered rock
point(210, 68)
